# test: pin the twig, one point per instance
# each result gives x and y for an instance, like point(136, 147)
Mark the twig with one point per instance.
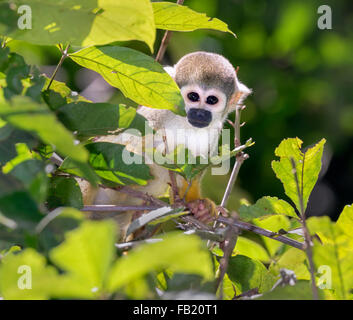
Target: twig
point(138, 194)
point(232, 231)
point(132, 244)
point(3, 42)
point(64, 55)
point(307, 238)
point(165, 41)
point(269, 234)
point(112, 208)
point(230, 242)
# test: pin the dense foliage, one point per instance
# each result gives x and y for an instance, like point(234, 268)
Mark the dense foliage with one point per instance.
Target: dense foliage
point(49, 249)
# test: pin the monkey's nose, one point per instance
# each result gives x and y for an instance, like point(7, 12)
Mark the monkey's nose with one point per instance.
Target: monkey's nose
point(199, 118)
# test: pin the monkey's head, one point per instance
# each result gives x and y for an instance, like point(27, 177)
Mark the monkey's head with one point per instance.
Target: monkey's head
point(209, 85)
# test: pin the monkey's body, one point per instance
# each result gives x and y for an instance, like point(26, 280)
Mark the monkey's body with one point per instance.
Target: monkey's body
point(210, 88)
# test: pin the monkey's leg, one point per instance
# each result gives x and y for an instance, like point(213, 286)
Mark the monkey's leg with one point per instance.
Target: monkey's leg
point(203, 209)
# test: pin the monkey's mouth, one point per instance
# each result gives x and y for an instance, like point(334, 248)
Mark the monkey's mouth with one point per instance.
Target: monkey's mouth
point(198, 124)
point(199, 118)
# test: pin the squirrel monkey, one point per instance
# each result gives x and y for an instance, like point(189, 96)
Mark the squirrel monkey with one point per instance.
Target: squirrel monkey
point(211, 90)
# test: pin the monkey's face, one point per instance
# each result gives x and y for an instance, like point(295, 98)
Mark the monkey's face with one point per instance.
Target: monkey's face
point(202, 105)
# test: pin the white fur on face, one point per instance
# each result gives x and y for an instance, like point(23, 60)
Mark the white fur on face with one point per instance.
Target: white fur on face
point(216, 109)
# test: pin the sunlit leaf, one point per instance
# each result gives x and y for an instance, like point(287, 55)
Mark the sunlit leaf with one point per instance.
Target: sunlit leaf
point(87, 253)
point(333, 256)
point(171, 16)
point(178, 252)
point(345, 220)
point(83, 22)
point(251, 249)
point(109, 162)
point(266, 206)
point(59, 94)
point(295, 260)
point(137, 75)
point(308, 166)
point(273, 223)
point(26, 276)
point(300, 291)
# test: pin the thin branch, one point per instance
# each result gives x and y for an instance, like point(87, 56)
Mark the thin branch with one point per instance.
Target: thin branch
point(138, 194)
point(64, 55)
point(232, 231)
point(165, 41)
point(263, 232)
point(230, 242)
point(307, 238)
point(112, 208)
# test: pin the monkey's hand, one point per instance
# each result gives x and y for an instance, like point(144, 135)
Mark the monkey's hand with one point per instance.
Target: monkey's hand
point(203, 210)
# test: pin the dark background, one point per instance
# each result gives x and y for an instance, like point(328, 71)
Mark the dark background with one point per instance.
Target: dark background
point(302, 80)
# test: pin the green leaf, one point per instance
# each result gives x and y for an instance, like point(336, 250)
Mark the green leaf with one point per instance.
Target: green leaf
point(64, 191)
point(93, 119)
point(273, 223)
point(44, 124)
point(137, 75)
point(52, 228)
point(177, 251)
point(300, 291)
point(87, 253)
point(345, 220)
point(251, 249)
point(33, 176)
point(17, 204)
point(334, 254)
point(40, 277)
point(23, 153)
point(308, 166)
point(295, 260)
point(181, 160)
point(59, 94)
point(108, 161)
point(266, 206)
point(9, 138)
point(80, 169)
point(85, 22)
point(171, 16)
point(248, 274)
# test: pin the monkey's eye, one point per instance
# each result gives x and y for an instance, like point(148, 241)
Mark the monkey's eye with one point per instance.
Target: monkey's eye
point(211, 100)
point(193, 96)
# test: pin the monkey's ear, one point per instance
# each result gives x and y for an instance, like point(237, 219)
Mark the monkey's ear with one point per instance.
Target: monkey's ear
point(170, 70)
point(238, 97)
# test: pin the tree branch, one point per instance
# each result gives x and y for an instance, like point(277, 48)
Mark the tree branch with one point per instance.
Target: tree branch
point(232, 231)
point(263, 232)
point(165, 41)
point(64, 55)
point(112, 208)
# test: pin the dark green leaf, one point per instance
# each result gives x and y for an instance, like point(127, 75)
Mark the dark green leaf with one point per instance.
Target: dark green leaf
point(249, 274)
point(107, 159)
point(93, 119)
point(64, 192)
